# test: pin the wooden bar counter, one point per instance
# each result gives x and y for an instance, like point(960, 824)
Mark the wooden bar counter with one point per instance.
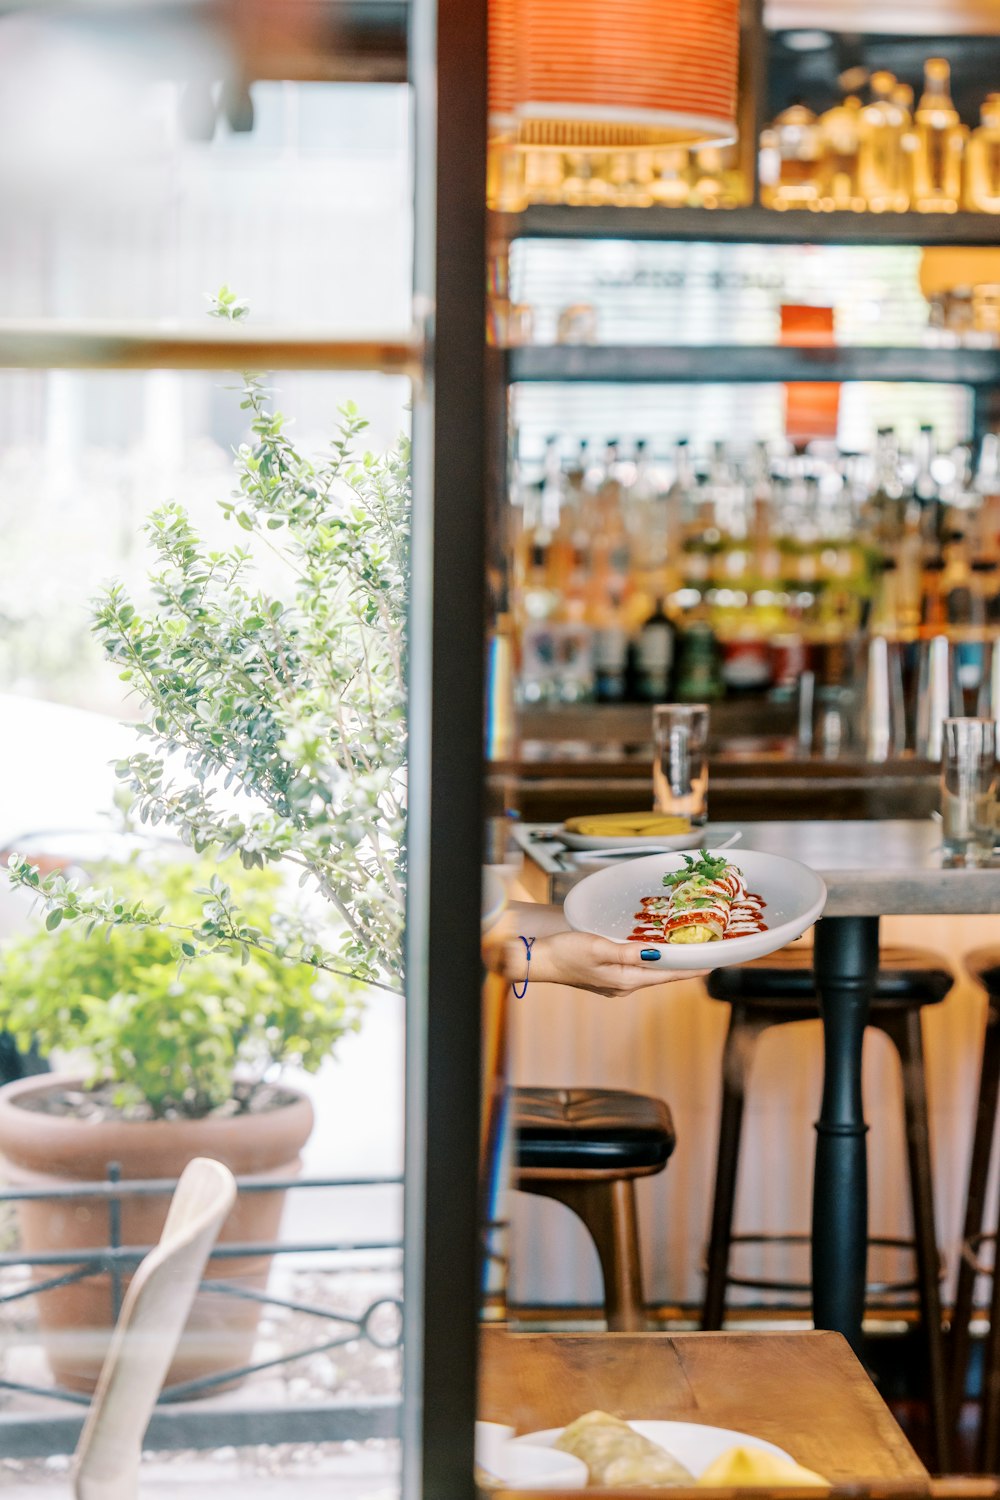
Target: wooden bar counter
point(806, 1392)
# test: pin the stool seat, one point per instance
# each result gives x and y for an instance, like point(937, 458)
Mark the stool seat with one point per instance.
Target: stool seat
point(574, 1130)
point(984, 965)
point(907, 978)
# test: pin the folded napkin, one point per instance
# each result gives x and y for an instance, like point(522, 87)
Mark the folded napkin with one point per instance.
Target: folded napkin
point(753, 1466)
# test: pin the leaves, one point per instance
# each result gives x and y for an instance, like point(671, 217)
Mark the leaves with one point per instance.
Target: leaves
point(708, 866)
point(173, 1034)
point(294, 703)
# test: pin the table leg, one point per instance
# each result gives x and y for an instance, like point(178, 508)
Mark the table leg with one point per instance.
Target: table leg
point(846, 964)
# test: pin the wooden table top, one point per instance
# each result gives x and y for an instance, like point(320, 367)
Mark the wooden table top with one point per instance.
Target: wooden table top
point(804, 1391)
point(871, 868)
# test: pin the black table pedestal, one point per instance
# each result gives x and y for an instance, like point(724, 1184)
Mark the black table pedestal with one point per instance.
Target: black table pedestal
point(846, 964)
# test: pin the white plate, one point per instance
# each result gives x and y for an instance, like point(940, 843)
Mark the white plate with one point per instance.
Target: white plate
point(656, 843)
point(690, 1443)
point(605, 903)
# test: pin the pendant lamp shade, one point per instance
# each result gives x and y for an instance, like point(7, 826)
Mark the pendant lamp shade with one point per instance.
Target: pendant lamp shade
point(603, 74)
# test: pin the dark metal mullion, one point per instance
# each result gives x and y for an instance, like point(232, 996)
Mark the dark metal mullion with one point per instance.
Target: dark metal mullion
point(747, 363)
point(441, 1262)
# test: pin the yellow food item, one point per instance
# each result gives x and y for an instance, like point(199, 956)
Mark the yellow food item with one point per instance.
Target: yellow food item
point(625, 825)
point(752, 1466)
point(693, 934)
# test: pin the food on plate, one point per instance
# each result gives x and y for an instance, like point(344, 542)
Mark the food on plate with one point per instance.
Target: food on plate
point(617, 1456)
point(752, 1467)
point(706, 901)
point(628, 825)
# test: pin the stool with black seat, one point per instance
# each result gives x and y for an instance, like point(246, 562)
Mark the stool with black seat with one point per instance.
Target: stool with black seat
point(780, 989)
point(984, 966)
point(585, 1148)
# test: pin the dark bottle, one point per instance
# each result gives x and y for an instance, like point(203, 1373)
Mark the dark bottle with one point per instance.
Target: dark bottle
point(654, 657)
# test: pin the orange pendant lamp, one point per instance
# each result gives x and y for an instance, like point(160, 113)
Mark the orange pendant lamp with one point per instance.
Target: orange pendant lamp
point(607, 75)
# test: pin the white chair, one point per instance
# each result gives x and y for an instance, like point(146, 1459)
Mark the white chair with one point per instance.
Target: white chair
point(152, 1318)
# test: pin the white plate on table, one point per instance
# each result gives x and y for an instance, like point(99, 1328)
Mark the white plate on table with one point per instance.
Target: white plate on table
point(605, 903)
point(692, 1444)
point(657, 843)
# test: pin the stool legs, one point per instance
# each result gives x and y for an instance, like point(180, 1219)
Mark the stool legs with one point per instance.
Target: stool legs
point(905, 1032)
point(608, 1211)
point(975, 1203)
point(741, 1041)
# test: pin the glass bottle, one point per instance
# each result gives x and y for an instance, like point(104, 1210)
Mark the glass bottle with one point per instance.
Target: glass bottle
point(671, 185)
point(926, 490)
point(982, 167)
point(654, 656)
point(840, 132)
point(882, 158)
point(800, 149)
point(933, 608)
point(937, 165)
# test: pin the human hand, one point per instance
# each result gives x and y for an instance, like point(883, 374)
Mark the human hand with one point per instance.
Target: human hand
point(593, 963)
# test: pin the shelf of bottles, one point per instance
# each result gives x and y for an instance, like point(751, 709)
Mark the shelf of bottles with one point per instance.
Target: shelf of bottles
point(742, 363)
point(878, 168)
point(728, 573)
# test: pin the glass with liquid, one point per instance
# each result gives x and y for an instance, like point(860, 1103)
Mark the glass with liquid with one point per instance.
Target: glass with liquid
point(968, 791)
point(680, 760)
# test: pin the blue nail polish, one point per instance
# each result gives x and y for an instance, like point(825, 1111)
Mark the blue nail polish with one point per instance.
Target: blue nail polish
point(650, 954)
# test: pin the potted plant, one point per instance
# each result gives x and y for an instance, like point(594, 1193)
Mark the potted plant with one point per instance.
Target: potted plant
point(178, 1059)
point(274, 736)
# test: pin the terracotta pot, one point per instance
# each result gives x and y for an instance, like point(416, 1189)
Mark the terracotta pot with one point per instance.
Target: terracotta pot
point(49, 1151)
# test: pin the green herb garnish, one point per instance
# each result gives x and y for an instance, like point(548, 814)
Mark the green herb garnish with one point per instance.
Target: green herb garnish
point(709, 866)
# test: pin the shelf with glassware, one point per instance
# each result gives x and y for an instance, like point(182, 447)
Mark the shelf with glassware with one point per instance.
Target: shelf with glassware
point(644, 577)
point(884, 170)
point(744, 363)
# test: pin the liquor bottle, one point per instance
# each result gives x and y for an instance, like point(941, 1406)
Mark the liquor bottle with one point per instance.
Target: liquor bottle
point(933, 608)
point(610, 651)
point(965, 606)
point(800, 147)
point(937, 165)
point(671, 185)
point(884, 617)
point(840, 132)
point(882, 157)
point(926, 490)
point(987, 488)
point(654, 655)
point(885, 510)
point(982, 162)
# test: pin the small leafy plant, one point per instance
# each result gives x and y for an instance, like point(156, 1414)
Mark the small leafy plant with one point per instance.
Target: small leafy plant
point(708, 866)
point(167, 1038)
point(275, 718)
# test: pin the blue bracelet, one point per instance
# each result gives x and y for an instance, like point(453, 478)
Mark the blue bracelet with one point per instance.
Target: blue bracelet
point(519, 994)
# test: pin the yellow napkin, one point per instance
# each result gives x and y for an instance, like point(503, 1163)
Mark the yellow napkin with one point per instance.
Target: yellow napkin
point(752, 1466)
point(626, 825)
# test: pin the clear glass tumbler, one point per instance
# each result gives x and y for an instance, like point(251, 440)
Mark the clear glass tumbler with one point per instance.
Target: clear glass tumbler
point(968, 790)
point(680, 760)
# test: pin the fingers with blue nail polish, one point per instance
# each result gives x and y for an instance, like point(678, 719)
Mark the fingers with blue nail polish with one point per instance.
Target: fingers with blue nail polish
point(650, 954)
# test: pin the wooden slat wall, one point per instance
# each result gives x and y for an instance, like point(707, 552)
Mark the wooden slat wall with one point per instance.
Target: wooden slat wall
point(668, 1041)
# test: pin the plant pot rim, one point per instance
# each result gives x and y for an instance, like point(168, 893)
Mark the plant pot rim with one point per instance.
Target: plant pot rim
point(65, 1146)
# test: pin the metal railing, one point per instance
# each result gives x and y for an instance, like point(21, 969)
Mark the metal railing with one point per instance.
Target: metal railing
point(179, 1420)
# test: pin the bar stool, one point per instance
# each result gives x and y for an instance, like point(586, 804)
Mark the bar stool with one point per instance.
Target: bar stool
point(775, 991)
point(984, 966)
point(586, 1147)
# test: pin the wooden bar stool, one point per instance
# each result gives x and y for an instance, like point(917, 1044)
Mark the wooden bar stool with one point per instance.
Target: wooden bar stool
point(984, 966)
point(586, 1147)
point(775, 991)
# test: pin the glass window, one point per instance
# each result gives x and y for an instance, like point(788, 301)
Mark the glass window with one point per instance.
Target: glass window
point(217, 960)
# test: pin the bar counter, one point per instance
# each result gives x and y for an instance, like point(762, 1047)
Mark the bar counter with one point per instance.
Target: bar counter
point(598, 758)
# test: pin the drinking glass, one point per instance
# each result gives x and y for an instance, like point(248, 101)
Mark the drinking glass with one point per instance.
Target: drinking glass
point(968, 790)
point(680, 760)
